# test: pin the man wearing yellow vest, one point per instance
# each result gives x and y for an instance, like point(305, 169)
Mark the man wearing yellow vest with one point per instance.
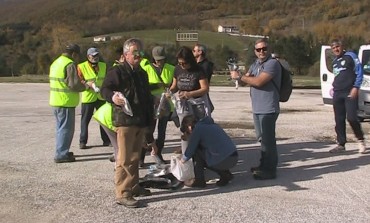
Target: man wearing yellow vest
point(65, 86)
point(160, 75)
point(93, 72)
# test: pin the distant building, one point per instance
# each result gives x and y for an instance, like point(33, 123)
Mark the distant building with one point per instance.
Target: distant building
point(101, 38)
point(115, 37)
point(228, 29)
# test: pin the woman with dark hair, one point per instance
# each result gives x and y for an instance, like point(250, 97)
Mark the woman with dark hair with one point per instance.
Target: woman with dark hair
point(191, 87)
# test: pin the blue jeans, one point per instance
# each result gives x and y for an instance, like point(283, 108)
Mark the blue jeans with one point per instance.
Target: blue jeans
point(265, 125)
point(65, 128)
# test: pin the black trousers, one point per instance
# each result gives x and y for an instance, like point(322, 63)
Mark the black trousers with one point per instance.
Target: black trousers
point(87, 111)
point(221, 168)
point(346, 107)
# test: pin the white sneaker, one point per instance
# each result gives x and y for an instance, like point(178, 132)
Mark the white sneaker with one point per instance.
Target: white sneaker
point(361, 146)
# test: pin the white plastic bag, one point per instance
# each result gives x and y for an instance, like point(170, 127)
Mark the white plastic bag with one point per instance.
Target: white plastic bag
point(126, 107)
point(182, 171)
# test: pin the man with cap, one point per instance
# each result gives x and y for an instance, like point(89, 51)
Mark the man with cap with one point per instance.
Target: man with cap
point(65, 86)
point(93, 73)
point(348, 75)
point(160, 75)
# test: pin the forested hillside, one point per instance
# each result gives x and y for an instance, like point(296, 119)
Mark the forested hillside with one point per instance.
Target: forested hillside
point(32, 31)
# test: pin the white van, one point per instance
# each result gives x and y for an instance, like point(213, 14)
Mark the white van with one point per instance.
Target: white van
point(364, 96)
point(327, 78)
point(326, 74)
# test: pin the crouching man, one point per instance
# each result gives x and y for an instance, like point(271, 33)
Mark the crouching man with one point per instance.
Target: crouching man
point(210, 147)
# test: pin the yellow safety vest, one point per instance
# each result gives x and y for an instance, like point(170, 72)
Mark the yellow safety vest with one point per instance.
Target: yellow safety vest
point(144, 62)
point(104, 116)
point(89, 95)
point(166, 75)
point(60, 94)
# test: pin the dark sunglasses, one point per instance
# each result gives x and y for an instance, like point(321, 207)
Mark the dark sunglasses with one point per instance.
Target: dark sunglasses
point(261, 49)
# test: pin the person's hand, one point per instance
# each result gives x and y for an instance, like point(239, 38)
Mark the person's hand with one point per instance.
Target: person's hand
point(168, 94)
point(118, 99)
point(234, 74)
point(90, 84)
point(154, 149)
point(354, 93)
point(185, 94)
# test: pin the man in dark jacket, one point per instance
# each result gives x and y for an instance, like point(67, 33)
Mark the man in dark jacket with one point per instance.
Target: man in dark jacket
point(348, 74)
point(126, 87)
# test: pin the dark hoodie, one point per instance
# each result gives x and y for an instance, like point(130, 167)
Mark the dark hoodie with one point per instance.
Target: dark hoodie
point(213, 139)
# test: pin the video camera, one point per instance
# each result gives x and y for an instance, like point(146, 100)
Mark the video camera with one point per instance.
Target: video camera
point(232, 65)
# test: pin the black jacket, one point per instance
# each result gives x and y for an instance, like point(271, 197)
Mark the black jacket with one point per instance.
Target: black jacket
point(134, 85)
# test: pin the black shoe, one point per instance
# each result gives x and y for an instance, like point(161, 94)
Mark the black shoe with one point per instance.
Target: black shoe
point(264, 175)
point(107, 144)
point(255, 168)
point(142, 164)
point(224, 179)
point(83, 146)
point(198, 184)
point(111, 158)
point(67, 159)
point(177, 185)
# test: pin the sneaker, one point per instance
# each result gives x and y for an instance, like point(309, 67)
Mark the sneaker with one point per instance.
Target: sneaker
point(141, 192)
point(128, 202)
point(83, 146)
point(225, 179)
point(338, 149)
point(361, 146)
point(264, 175)
point(67, 159)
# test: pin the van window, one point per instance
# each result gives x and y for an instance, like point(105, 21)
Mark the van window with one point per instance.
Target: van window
point(329, 59)
point(366, 61)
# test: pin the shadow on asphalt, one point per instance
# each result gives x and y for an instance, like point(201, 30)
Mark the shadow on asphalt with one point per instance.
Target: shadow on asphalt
point(307, 167)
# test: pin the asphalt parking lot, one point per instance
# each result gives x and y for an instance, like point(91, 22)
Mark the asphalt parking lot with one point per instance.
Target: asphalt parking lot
point(312, 185)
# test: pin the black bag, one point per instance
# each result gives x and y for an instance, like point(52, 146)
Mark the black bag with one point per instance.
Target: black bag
point(286, 86)
point(159, 177)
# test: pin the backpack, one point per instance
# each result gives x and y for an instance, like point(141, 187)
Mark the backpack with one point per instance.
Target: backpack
point(286, 86)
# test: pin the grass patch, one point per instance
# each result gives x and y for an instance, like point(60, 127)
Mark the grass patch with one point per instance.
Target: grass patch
point(25, 79)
